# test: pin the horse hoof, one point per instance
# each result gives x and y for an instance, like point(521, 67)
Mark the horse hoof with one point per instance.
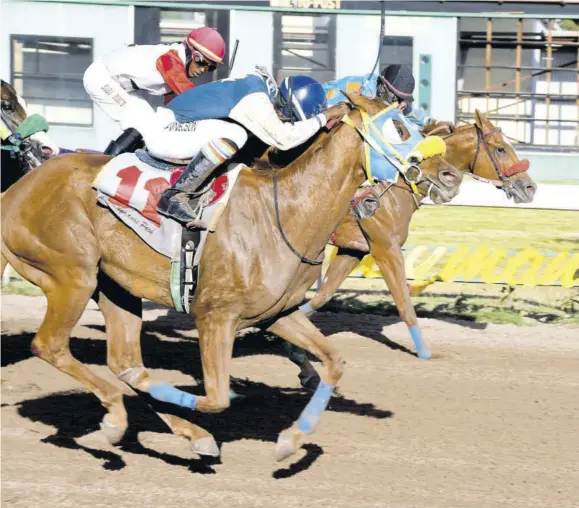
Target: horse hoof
point(424, 354)
point(206, 446)
point(286, 445)
point(112, 432)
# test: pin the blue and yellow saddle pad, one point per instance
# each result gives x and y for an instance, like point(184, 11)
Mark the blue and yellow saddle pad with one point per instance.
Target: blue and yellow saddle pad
point(386, 152)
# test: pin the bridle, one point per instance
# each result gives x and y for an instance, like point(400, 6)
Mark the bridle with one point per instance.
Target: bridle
point(502, 174)
point(15, 137)
point(413, 177)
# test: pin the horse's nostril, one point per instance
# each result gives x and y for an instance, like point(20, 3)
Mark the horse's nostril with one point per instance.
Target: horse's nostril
point(530, 190)
point(46, 150)
point(449, 177)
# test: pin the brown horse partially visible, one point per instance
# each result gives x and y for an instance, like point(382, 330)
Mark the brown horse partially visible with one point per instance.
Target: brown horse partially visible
point(56, 236)
point(39, 145)
point(480, 150)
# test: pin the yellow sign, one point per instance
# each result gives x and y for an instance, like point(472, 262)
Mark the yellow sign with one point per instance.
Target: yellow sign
point(527, 267)
point(306, 4)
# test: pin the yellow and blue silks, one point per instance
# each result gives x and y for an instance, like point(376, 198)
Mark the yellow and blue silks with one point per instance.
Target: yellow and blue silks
point(387, 155)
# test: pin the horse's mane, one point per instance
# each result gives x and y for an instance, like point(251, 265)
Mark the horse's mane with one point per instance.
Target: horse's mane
point(281, 159)
point(459, 130)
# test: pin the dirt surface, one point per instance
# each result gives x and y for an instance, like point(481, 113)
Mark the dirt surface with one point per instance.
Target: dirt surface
point(491, 421)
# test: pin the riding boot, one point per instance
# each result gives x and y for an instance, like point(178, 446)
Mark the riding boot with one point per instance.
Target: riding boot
point(129, 141)
point(174, 202)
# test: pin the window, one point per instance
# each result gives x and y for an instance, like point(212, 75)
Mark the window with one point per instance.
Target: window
point(524, 74)
point(305, 45)
point(47, 73)
point(396, 50)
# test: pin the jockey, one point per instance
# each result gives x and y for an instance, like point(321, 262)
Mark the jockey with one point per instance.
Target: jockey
point(119, 81)
point(394, 84)
point(199, 126)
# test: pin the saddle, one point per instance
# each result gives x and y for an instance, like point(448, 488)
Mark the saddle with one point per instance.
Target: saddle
point(131, 184)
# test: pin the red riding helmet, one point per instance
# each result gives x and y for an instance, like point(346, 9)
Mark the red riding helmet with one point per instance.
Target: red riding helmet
point(208, 42)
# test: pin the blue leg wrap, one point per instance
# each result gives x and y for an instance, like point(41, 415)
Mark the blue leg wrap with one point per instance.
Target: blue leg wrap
point(421, 348)
point(306, 308)
point(167, 393)
point(311, 415)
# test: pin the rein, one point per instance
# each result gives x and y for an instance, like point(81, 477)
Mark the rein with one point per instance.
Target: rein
point(303, 259)
point(14, 138)
point(409, 190)
point(503, 175)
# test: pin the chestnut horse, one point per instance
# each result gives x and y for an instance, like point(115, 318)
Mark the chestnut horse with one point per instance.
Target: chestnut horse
point(478, 149)
point(256, 268)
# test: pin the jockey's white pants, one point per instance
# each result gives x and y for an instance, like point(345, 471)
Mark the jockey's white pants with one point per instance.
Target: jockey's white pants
point(164, 141)
point(159, 129)
point(129, 109)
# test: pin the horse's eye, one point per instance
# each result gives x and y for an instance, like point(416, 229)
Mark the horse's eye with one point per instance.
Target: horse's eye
point(501, 150)
point(7, 106)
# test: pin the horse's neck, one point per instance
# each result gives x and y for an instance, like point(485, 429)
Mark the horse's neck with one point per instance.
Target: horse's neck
point(460, 148)
point(332, 162)
point(315, 190)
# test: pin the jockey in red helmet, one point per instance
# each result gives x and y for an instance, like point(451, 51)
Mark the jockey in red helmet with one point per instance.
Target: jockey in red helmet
point(118, 82)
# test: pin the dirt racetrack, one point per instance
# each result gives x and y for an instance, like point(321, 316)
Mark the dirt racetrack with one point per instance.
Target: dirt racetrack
point(490, 422)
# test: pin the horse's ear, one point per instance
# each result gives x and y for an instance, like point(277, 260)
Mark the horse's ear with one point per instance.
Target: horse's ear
point(479, 118)
point(358, 101)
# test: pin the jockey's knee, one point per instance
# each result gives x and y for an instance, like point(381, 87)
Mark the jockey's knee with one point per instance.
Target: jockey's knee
point(94, 76)
point(235, 133)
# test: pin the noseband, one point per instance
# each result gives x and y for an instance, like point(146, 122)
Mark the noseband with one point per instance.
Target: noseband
point(502, 174)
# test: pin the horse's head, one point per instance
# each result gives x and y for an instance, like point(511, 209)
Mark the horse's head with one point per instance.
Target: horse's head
point(432, 174)
point(13, 111)
point(14, 116)
point(490, 156)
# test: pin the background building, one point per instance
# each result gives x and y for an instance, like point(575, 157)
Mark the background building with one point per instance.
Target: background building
point(520, 64)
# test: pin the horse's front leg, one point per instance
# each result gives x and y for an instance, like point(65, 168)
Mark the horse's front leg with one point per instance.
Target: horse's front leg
point(387, 254)
point(122, 312)
point(300, 331)
point(340, 267)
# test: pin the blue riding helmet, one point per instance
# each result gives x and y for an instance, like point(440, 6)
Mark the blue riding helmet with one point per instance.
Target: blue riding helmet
point(301, 97)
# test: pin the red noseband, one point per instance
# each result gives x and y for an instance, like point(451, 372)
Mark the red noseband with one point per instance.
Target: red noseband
point(517, 167)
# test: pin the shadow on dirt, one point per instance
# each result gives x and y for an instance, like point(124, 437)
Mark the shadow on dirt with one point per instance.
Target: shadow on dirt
point(184, 354)
point(261, 415)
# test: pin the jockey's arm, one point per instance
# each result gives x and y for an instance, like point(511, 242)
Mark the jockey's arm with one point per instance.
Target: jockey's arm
point(173, 71)
point(257, 114)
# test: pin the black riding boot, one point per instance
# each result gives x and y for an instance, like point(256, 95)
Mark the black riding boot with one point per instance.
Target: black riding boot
point(129, 141)
point(174, 202)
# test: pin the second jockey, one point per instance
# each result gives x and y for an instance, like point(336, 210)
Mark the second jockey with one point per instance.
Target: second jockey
point(118, 82)
point(394, 85)
point(199, 126)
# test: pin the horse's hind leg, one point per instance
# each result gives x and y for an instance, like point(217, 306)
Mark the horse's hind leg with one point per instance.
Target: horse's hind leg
point(299, 330)
point(122, 312)
point(66, 302)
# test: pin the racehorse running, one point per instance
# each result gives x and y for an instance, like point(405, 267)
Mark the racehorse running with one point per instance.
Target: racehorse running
point(25, 144)
point(255, 270)
point(479, 149)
